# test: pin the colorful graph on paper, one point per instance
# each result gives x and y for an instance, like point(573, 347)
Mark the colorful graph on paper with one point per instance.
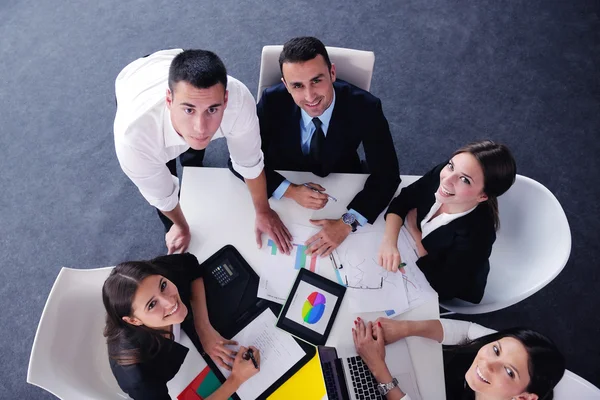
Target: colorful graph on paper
point(278, 270)
point(300, 257)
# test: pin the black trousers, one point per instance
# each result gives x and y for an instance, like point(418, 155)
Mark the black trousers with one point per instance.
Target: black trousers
point(189, 158)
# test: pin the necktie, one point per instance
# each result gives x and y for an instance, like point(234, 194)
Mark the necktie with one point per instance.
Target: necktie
point(317, 143)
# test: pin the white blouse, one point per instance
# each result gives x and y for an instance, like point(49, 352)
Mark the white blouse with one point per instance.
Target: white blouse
point(177, 333)
point(428, 225)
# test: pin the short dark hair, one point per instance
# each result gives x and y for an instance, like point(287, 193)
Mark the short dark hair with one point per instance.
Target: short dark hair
point(200, 68)
point(302, 49)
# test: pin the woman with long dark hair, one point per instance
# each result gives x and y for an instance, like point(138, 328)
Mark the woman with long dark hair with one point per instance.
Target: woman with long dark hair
point(452, 214)
point(146, 302)
point(479, 363)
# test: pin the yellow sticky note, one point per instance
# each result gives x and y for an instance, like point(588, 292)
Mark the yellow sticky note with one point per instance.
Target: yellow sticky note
point(306, 384)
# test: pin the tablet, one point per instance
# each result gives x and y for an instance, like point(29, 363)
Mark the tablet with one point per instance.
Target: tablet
point(311, 307)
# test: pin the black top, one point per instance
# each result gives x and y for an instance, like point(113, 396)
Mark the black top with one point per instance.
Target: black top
point(457, 261)
point(148, 380)
point(357, 118)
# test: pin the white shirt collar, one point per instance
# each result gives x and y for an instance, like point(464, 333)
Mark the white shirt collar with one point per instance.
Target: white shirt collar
point(428, 226)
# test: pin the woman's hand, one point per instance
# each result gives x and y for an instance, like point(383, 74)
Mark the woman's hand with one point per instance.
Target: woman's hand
point(391, 329)
point(244, 369)
point(369, 348)
point(214, 345)
point(388, 255)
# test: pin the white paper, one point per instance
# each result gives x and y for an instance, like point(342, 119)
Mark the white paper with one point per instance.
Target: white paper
point(278, 353)
point(311, 307)
point(418, 289)
point(370, 286)
point(278, 271)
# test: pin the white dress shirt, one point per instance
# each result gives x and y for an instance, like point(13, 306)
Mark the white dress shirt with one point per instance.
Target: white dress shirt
point(145, 139)
point(428, 225)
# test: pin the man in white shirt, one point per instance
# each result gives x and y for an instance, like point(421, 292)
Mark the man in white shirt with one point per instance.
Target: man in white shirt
point(201, 103)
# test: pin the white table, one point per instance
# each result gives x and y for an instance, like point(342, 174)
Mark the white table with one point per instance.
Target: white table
point(219, 210)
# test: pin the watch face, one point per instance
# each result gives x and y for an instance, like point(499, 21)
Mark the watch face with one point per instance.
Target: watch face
point(348, 218)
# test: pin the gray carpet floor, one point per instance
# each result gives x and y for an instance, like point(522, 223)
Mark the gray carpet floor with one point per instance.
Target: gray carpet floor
point(522, 72)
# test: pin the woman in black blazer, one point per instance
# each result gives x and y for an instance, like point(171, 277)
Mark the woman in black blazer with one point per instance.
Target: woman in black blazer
point(452, 214)
point(146, 301)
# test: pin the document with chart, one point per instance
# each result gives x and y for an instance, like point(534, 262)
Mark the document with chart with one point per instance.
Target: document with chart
point(417, 287)
point(278, 271)
point(370, 287)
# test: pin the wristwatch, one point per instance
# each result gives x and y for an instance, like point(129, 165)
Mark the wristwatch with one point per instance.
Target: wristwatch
point(350, 219)
point(384, 388)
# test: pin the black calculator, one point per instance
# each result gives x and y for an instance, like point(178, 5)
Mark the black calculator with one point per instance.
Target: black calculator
point(224, 273)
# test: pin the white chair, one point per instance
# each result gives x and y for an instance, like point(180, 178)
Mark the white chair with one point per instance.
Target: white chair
point(572, 386)
point(354, 66)
point(69, 355)
point(531, 248)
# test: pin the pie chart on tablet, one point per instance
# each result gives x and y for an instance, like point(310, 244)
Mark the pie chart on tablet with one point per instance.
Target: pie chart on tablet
point(313, 308)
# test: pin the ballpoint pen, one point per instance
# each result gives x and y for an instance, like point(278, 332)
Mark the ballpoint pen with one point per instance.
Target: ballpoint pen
point(319, 191)
point(249, 354)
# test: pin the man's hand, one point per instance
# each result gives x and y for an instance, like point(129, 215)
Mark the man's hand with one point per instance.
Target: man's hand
point(177, 239)
point(329, 238)
point(307, 197)
point(268, 222)
point(214, 345)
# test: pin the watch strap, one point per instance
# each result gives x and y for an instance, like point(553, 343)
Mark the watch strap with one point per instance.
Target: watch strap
point(385, 388)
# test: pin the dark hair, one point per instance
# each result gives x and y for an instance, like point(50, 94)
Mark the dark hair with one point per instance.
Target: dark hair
point(499, 171)
point(200, 68)
point(546, 364)
point(127, 343)
point(301, 49)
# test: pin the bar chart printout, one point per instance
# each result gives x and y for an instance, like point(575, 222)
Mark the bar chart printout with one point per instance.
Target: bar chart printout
point(300, 257)
point(279, 270)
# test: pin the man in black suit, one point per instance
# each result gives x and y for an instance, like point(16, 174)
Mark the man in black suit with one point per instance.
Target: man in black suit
point(311, 122)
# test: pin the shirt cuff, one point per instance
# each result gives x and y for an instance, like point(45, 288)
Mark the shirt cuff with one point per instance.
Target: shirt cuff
point(250, 172)
point(168, 203)
point(459, 332)
point(280, 191)
point(361, 220)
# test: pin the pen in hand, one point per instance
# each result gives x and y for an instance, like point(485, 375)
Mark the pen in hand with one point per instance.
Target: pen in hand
point(249, 354)
point(319, 191)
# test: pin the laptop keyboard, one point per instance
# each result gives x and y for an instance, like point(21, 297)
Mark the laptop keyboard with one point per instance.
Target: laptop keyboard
point(328, 376)
point(363, 382)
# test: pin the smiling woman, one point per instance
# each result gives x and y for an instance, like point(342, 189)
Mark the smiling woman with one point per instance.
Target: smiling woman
point(452, 215)
point(479, 364)
point(146, 301)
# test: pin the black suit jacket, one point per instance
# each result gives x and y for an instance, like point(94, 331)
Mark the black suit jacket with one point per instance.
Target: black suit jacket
point(357, 118)
point(457, 262)
point(148, 379)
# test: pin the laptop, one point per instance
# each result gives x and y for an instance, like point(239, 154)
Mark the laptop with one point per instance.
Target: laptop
point(347, 377)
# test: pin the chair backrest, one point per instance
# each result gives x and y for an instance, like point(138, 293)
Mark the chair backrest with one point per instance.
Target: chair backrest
point(69, 355)
point(572, 386)
point(531, 249)
point(354, 66)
